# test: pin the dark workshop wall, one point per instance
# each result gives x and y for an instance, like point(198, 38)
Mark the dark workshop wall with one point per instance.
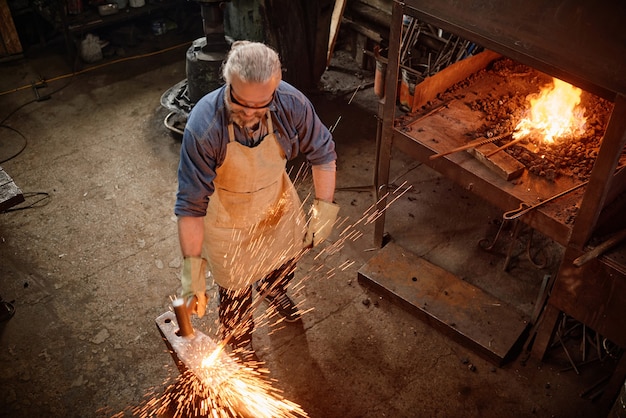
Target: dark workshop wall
point(298, 29)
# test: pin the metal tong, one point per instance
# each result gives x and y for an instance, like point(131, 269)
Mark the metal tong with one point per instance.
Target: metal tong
point(525, 207)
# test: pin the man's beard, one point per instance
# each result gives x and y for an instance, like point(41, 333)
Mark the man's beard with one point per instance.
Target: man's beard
point(243, 120)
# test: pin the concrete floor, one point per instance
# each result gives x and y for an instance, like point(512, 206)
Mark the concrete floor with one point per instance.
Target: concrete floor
point(91, 270)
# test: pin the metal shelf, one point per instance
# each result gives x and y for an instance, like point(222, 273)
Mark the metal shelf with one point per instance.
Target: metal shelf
point(91, 19)
point(74, 26)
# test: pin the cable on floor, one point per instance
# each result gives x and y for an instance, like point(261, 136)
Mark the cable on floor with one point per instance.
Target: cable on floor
point(36, 204)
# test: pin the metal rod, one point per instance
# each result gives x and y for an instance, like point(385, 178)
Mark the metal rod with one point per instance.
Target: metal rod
point(525, 207)
point(529, 255)
point(540, 299)
point(568, 356)
point(473, 144)
point(170, 126)
point(595, 386)
point(332, 128)
point(600, 249)
point(406, 39)
point(384, 61)
point(508, 144)
point(509, 253)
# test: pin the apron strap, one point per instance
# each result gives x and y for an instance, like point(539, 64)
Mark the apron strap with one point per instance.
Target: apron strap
point(231, 132)
point(270, 127)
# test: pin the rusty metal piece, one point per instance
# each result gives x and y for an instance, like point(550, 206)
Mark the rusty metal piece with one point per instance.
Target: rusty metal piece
point(538, 265)
point(484, 243)
point(509, 253)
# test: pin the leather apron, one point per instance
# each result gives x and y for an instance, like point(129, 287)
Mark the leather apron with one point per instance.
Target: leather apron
point(254, 222)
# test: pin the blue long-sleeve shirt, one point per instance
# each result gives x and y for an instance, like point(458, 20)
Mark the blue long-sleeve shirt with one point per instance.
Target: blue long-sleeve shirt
point(297, 127)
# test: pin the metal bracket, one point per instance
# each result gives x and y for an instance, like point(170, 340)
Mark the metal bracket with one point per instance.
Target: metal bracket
point(517, 227)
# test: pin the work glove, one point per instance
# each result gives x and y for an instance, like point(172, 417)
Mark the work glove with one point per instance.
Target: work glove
point(193, 279)
point(323, 216)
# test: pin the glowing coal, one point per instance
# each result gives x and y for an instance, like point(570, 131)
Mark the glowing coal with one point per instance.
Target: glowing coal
point(554, 112)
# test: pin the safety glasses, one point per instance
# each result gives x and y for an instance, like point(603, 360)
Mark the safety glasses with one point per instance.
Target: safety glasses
point(233, 100)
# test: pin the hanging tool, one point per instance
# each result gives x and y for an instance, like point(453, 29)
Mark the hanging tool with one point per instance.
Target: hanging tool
point(472, 144)
point(525, 207)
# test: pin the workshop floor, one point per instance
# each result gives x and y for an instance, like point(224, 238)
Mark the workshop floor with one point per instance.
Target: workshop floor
point(89, 268)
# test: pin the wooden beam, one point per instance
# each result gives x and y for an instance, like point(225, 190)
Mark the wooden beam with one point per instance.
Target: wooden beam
point(601, 180)
point(335, 22)
point(379, 17)
point(11, 44)
point(371, 34)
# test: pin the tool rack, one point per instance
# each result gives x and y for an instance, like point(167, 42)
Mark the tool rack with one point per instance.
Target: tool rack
point(548, 37)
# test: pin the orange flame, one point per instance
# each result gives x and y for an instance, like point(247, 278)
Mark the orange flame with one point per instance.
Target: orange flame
point(554, 113)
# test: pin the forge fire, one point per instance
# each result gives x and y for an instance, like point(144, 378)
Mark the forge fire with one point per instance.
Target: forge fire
point(558, 127)
point(553, 114)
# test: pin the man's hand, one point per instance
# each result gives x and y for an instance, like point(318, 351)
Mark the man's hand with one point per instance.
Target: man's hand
point(323, 216)
point(193, 280)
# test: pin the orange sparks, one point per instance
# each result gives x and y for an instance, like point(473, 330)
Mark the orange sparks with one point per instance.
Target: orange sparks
point(245, 392)
point(214, 384)
point(554, 113)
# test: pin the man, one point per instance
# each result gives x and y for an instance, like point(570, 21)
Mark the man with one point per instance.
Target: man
point(239, 214)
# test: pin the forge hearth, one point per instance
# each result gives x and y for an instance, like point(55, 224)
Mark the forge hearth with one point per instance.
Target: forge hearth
point(572, 156)
point(485, 96)
point(491, 102)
